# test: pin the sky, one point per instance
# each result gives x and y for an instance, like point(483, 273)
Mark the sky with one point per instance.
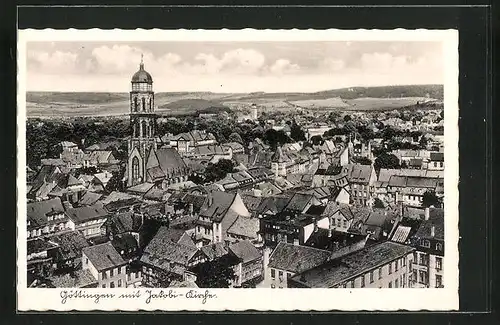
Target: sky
point(232, 66)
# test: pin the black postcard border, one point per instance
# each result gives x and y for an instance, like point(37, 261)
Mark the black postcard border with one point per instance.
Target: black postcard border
point(475, 144)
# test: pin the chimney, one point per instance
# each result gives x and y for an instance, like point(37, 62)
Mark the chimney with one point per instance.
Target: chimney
point(315, 224)
point(296, 242)
point(433, 231)
point(191, 208)
point(210, 199)
point(329, 233)
point(426, 214)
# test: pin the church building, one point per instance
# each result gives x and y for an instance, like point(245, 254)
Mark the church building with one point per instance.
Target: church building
point(146, 163)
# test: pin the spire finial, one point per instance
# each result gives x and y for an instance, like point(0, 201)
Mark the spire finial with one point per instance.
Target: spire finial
point(141, 66)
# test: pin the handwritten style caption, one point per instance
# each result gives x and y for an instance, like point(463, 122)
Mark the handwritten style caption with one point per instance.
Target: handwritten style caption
point(147, 295)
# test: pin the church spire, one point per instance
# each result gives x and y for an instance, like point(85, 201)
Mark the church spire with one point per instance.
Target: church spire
point(141, 66)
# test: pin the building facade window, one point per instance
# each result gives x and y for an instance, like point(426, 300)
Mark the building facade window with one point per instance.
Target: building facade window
point(390, 284)
point(273, 273)
point(439, 263)
point(396, 283)
point(439, 281)
point(119, 283)
point(380, 273)
point(390, 268)
point(362, 281)
point(135, 168)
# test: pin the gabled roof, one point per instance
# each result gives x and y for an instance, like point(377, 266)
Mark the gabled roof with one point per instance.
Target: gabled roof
point(214, 251)
point(170, 161)
point(299, 201)
point(347, 267)
point(296, 258)
point(79, 279)
point(104, 256)
point(436, 220)
point(217, 205)
point(245, 251)
point(360, 173)
point(39, 245)
point(37, 211)
point(251, 202)
point(125, 222)
point(162, 250)
point(437, 156)
point(244, 226)
point(89, 198)
point(86, 213)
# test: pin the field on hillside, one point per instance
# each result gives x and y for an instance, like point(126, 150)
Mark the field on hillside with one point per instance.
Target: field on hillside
point(335, 102)
point(364, 104)
point(46, 104)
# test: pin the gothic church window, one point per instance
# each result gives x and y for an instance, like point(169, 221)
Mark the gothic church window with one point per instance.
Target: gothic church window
point(135, 104)
point(143, 103)
point(135, 168)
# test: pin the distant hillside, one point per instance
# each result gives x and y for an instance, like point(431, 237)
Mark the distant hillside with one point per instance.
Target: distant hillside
point(191, 105)
point(74, 98)
point(46, 104)
point(432, 91)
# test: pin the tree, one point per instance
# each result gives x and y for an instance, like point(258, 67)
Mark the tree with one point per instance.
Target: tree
point(386, 160)
point(296, 132)
point(115, 183)
point(423, 142)
point(378, 203)
point(430, 199)
point(162, 279)
point(235, 137)
point(215, 274)
point(316, 140)
point(274, 138)
point(347, 118)
point(219, 170)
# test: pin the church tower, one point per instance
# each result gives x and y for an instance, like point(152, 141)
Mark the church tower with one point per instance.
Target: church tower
point(142, 125)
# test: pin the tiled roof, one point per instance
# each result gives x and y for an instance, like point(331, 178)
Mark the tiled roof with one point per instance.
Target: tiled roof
point(436, 220)
point(39, 245)
point(245, 251)
point(89, 198)
point(295, 258)
point(86, 213)
point(81, 278)
point(142, 188)
point(217, 206)
point(244, 226)
point(104, 256)
point(170, 161)
point(162, 250)
point(251, 202)
point(125, 222)
point(437, 156)
point(401, 234)
point(37, 211)
point(385, 174)
point(299, 201)
point(347, 267)
point(360, 173)
point(214, 251)
point(117, 196)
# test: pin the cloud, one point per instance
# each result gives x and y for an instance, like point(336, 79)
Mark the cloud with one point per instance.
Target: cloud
point(284, 66)
point(55, 62)
point(330, 64)
point(238, 61)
